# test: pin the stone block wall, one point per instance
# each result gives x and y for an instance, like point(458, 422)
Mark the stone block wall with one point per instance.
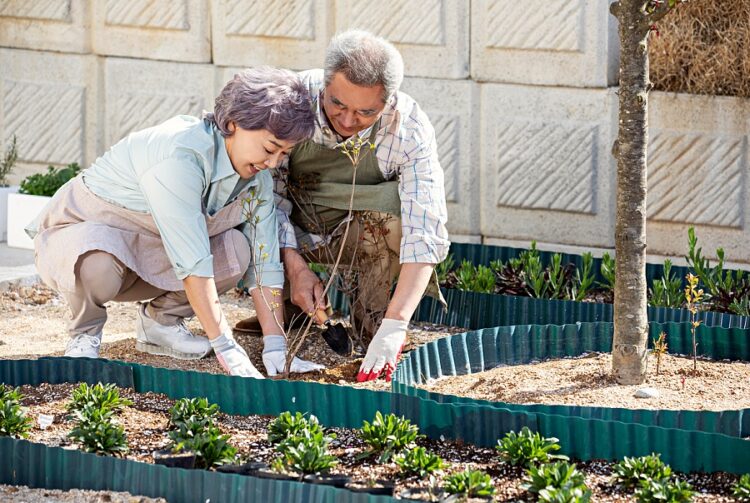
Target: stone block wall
point(522, 96)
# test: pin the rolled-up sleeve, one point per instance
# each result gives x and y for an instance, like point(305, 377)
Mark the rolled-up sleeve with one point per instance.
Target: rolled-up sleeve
point(261, 231)
point(173, 190)
point(423, 210)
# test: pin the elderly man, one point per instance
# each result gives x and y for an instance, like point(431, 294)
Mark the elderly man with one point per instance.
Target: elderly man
point(397, 229)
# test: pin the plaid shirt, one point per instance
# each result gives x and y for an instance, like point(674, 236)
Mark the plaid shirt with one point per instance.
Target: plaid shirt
point(406, 150)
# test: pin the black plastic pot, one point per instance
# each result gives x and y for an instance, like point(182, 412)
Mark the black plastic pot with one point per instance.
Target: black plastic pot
point(328, 480)
point(181, 459)
point(379, 487)
point(268, 473)
point(243, 469)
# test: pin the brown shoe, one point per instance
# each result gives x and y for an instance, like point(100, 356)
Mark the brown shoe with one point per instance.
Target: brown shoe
point(291, 312)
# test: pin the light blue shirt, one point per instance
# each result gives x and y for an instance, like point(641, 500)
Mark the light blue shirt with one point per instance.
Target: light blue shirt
point(174, 170)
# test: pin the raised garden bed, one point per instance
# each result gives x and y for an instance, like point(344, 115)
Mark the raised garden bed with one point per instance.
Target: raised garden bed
point(146, 423)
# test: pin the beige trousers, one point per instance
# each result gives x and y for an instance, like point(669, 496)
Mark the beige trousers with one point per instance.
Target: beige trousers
point(101, 277)
point(369, 266)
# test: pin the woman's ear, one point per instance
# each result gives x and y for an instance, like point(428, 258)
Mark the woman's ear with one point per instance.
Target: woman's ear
point(232, 126)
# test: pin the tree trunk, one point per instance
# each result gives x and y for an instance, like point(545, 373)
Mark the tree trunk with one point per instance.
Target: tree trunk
point(629, 346)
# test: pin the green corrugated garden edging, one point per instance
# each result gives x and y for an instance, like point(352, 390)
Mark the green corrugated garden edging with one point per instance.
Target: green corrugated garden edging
point(480, 310)
point(36, 465)
point(485, 349)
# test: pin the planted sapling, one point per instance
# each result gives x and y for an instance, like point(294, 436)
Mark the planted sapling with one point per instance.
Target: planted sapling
point(418, 461)
point(470, 483)
point(693, 298)
point(8, 162)
point(660, 349)
point(629, 472)
point(559, 475)
point(13, 420)
point(388, 435)
point(527, 447)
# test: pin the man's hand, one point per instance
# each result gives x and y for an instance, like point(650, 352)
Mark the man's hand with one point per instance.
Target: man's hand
point(274, 357)
point(306, 289)
point(384, 350)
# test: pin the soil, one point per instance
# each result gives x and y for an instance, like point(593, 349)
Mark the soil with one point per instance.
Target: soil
point(34, 320)
point(587, 380)
point(146, 423)
point(23, 494)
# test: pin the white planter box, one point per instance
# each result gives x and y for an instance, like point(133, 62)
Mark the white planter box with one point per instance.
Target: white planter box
point(22, 210)
point(4, 191)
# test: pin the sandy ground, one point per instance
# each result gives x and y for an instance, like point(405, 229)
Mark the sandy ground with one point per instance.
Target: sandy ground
point(587, 381)
point(23, 494)
point(34, 321)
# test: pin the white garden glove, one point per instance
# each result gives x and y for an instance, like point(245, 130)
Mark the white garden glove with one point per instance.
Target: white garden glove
point(384, 350)
point(233, 358)
point(274, 357)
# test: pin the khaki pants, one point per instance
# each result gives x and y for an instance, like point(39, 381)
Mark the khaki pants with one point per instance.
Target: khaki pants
point(369, 266)
point(100, 277)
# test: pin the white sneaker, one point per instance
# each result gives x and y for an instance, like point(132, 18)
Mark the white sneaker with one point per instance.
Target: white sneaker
point(169, 340)
point(84, 346)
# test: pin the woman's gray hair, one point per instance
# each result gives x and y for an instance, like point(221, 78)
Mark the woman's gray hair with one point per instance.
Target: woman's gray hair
point(365, 60)
point(265, 98)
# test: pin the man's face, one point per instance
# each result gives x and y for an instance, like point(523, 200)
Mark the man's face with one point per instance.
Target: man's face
point(351, 108)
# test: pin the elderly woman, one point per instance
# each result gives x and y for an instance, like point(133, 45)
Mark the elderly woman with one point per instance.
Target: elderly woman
point(176, 215)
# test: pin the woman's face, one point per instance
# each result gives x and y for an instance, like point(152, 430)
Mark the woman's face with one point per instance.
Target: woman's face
point(254, 150)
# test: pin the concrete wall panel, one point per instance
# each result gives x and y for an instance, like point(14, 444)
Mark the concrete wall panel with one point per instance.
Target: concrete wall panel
point(287, 33)
point(545, 42)
point(141, 94)
point(449, 105)
point(50, 25)
point(174, 30)
point(49, 102)
point(432, 35)
point(546, 170)
point(698, 174)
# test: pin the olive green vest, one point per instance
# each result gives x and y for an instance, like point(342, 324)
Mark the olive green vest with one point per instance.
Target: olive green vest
point(321, 178)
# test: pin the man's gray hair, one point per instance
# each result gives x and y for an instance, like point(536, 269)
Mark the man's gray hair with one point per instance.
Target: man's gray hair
point(365, 60)
point(265, 98)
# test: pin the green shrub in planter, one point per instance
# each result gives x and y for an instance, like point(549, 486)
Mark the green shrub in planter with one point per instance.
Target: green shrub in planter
point(187, 409)
point(97, 431)
point(418, 461)
point(100, 396)
point(388, 435)
point(287, 426)
point(564, 495)
point(558, 475)
point(46, 184)
point(630, 471)
point(307, 452)
point(470, 483)
point(13, 420)
point(671, 491)
point(741, 490)
point(527, 447)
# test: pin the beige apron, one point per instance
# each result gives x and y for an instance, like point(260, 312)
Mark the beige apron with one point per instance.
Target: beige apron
point(77, 221)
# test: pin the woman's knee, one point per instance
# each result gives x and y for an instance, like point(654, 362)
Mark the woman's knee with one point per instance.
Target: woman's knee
point(100, 273)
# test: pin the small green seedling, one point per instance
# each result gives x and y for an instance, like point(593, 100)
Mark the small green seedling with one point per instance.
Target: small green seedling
point(470, 483)
point(418, 461)
point(388, 435)
point(525, 448)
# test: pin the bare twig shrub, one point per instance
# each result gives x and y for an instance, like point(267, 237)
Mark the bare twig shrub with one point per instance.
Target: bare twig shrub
point(703, 47)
